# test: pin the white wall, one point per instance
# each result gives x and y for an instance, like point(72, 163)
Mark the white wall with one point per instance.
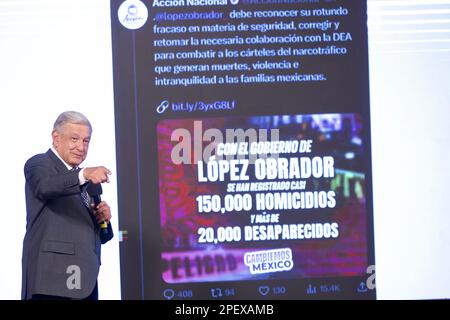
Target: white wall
point(410, 97)
point(54, 56)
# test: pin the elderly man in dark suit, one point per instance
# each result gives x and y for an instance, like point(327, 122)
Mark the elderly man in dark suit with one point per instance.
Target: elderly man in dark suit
point(61, 248)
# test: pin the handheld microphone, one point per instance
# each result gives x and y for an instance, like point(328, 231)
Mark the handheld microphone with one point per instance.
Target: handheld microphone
point(95, 191)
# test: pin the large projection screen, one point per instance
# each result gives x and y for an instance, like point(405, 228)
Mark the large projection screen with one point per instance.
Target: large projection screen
point(57, 55)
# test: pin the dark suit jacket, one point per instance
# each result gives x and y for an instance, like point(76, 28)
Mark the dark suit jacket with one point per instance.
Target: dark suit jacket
point(62, 244)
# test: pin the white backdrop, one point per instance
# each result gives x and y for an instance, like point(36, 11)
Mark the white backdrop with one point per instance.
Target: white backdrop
point(55, 55)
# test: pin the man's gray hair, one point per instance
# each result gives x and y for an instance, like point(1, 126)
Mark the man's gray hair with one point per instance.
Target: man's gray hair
point(71, 117)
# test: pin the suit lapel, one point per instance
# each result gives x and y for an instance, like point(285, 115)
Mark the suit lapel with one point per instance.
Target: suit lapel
point(59, 165)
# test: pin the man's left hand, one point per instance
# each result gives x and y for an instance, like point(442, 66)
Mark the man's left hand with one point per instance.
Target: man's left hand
point(102, 212)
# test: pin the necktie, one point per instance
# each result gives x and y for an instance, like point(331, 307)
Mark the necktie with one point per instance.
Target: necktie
point(86, 198)
point(84, 194)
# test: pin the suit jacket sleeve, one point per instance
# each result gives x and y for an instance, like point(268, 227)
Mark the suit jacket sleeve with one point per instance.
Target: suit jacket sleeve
point(46, 182)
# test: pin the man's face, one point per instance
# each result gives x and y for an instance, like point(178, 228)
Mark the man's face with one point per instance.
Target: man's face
point(72, 143)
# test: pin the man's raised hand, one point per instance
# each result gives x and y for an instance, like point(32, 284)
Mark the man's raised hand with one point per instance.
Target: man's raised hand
point(97, 174)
